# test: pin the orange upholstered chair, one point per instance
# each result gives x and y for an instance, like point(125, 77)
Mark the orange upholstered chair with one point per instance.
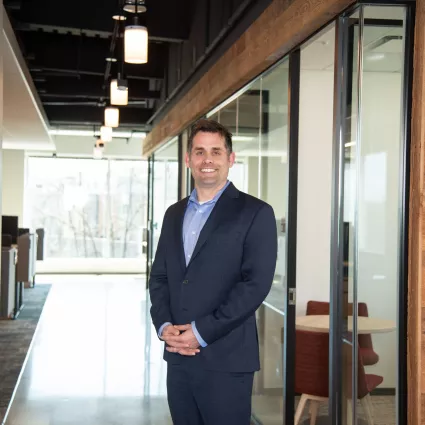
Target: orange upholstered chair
point(369, 356)
point(312, 376)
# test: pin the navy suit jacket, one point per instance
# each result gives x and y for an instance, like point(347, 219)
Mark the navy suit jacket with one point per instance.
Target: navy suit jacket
point(228, 277)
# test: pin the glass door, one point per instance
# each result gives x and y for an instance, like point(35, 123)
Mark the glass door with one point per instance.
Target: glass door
point(368, 277)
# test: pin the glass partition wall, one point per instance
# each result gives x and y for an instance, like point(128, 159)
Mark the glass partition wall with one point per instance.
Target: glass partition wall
point(258, 120)
point(322, 136)
point(163, 189)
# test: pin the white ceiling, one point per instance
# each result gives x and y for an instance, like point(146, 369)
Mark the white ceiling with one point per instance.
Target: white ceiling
point(24, 123)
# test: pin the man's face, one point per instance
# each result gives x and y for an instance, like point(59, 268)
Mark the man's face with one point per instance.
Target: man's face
point(209, 160)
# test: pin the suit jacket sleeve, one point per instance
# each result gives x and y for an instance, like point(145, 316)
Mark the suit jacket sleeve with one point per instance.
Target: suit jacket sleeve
point(258, 267)
point(158, 282)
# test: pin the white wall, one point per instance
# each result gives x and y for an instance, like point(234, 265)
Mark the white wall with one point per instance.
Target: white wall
point(314, 187)
point(13, 173)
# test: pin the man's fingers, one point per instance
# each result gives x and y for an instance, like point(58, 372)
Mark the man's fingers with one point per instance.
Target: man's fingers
point(174, 340)
point(183, 351)
point(171, 332)
point(183, 327)
point(188, 352)
point(176, 343)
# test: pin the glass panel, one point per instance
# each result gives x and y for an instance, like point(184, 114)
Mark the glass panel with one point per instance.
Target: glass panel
point(165, 187)
point(271, 186)
point(378, 200)
point(245, 171)
point(314, 227)
point(371, 199)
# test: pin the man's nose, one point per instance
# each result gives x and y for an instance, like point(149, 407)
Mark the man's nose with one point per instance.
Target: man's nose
point(207, 159)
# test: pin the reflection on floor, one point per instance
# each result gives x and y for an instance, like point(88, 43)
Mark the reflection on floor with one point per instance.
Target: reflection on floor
point(268, 409)
point(94, 360)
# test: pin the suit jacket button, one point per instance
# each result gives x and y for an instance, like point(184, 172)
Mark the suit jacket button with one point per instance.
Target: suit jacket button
point(185, 282)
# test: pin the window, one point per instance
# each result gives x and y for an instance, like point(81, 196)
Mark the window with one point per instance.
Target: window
point(88, 208)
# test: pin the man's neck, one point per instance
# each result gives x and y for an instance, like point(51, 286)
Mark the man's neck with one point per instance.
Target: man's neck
point(205, 194)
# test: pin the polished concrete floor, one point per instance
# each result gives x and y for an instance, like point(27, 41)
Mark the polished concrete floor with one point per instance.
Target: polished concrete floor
point(94, 361)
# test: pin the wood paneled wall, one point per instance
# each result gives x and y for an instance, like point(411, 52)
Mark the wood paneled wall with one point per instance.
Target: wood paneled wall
point(281, 27)
point(416, 298)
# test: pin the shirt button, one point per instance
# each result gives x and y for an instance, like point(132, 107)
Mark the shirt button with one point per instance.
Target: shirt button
point(193, 233)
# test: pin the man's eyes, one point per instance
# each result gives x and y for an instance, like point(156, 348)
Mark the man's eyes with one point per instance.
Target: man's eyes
point(198, 153)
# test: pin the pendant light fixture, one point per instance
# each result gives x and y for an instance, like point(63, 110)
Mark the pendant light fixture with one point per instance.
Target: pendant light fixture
point(136, 39)
point(112, 117)
point(130, 6)
point(98, 149)
point(119, 91)
point(119, 86)
point(106, 133)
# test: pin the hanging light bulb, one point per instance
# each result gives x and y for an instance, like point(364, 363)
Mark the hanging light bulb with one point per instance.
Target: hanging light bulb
point(136, 43)
point(119, 91)
point(106, 133)
point(131, 6)
point(98, 149)
point(112, 117)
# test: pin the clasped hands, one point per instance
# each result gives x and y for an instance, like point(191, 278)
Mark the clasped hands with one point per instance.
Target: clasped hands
point(184, 343)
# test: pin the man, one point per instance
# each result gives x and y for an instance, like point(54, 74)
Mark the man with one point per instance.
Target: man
point(213, 268)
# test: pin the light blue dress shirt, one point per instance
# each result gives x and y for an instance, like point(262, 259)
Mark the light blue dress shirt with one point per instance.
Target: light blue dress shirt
point(195, 217)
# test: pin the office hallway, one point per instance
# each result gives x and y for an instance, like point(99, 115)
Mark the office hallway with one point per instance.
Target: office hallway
point(93, 360)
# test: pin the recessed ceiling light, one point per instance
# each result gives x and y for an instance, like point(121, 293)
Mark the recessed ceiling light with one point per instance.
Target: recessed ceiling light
point(111, 59)
point(119, 17)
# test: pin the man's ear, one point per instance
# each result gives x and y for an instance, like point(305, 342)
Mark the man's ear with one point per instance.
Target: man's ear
point(232, 158)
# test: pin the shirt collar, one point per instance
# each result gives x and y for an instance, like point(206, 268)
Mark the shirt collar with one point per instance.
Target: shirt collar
point(194, 196)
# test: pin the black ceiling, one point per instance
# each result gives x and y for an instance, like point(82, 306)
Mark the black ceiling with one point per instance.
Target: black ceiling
point(65, 45)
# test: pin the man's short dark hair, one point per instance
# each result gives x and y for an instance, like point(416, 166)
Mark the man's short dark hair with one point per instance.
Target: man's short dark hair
point(210, 126)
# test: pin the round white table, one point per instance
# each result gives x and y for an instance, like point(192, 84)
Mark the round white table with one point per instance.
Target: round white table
point(365, 325)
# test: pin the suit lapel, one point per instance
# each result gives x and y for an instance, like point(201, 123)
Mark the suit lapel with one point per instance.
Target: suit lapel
point(223, 208)
point(182, 205)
